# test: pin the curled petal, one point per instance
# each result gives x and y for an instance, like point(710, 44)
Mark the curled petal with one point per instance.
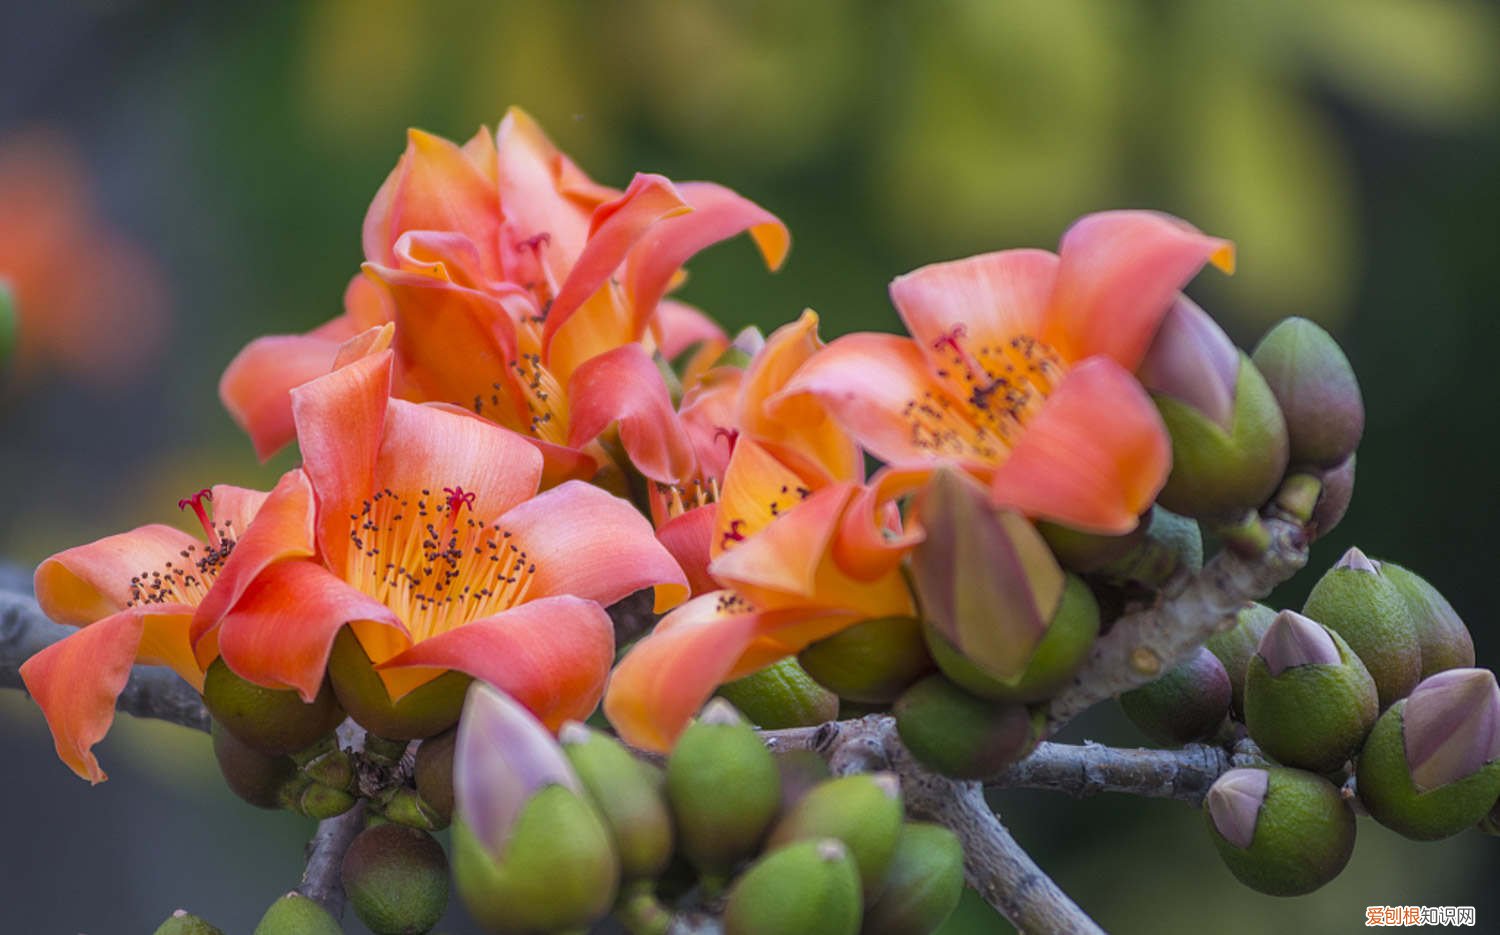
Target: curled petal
point(799, 429)
point(530, 172)
point(1120, 271)
point(625, 386)
point(89, 582)
point(435, 187)
point(871, 541)
point(1093, 458)
point(256, 386)
point(591, 544)
point(552, 655)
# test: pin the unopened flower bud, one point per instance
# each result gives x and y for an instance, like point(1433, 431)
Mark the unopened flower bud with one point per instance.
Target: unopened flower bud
point(434, 774)
point(272, 721)
point(183, 922)
point(326, 763)
point(396, 879)
point(295, 914)
point(405, 806)
point(807, 888)
point(426, 710)
point(319, 801)
point(872, 661)
point(1229, 445)
point(1188, 703)
point(863, 811)
point(256, 777)
point(1171, 543)
point(724, 789)
point(1431, 766)
point(1316, 388)
point(1086, 552)
point(1358, 602)
point(922, 886)
point(1283, 832)
point(1445, 641)
point(629, 794)
point(1236, 645)
point(530, 851)
point(1309, 701)
point(781, 695)
point(1333, 499)
point(961, 735)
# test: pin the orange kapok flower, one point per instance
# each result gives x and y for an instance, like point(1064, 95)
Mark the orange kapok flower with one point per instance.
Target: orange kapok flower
point(133, 596)
point(522, 291)
point(1019, 369)
point(434, 548)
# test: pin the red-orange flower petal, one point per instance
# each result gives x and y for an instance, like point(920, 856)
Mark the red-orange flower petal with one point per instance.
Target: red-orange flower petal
point(687, 536)
point(257, 384)
point(799, 429)
point(423, 446)
point(435, 187)
point(92, 581)
point(991, 297)
point(1120, 271)
point(591, 544)
point(1094, 457)
point(552, 655)
point(624, 386)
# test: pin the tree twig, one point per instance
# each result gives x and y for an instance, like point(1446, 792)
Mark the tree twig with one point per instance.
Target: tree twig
point(322, 880)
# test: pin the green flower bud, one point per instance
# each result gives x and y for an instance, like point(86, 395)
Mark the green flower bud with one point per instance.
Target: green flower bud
point(1444, 640)
point(531, 853)
point(1316, 389)
point(295, 914)
point(801, 772)
point(960, 735)
point(870, 662)
point(183, 922)
point(724, 789)
point(1187, 703)
point(1086, 552)
point(396, 879)
point(318, 801)
point(1429, 768)
point(1333, 499)
point(270, 720)
point(1309, 701)
point(808, 888)
point(9, 324)
point(1280, 831)
point(863, 811)
point(256, 777)
point(1061, 652)
point(923, 884)
point(1490, 824)
point(427, 710)
point(1236, 645)
point(405, 806)
point(324, 762)
point(628, 793)
point(781, 695)
point(434, 774)
point(1170, 543)
point(1358, 602)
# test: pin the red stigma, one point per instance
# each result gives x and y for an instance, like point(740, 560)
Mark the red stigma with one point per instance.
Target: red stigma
point(732, 534)
point(535, 242)
point(458, 498)
point(733, 435)
point(196, 501)
point(951, 337)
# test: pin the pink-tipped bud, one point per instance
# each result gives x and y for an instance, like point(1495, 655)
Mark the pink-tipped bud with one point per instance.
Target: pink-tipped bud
point(1451, 726)
point(1316, 389)
point(988, 583)
point(1294, 640)
point(1357, 560)
point(1234, 803)
point(503, 757)
point(1193, 361)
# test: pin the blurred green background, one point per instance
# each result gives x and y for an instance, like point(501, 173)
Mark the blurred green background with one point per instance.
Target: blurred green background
point(1350, 147)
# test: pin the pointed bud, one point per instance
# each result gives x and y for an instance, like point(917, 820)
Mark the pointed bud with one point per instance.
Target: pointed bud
point(183, 922)
point(256, 777)
point(396, 879)
point(1309, 701)
point(781, 695)
point(807, 888)
point(863, 811)
point(1283, 832)
point(1171, 543)
point(960, 735)
point(1219, 471)
point(434, 775)
point(295, 914)
point(530, 851)
point(629, 794)
point(922, 886)
point(872, 661)
point(429, 709)
point(723, 787)
point(987, 581)
point(1057, 657)
point(1356, 601)
point(1193, 361)
point(1188, 703)
point(319, 801)
point(270, 720)
point(1431, 766)
point(405, 806)
point(1444, 640)
point(1333, 499)
point(1316, 388)
point(1236, 645)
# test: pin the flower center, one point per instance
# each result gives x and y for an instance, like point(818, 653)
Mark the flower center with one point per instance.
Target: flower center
point(1001, 387)
point(188, 580)
point(432, 563)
